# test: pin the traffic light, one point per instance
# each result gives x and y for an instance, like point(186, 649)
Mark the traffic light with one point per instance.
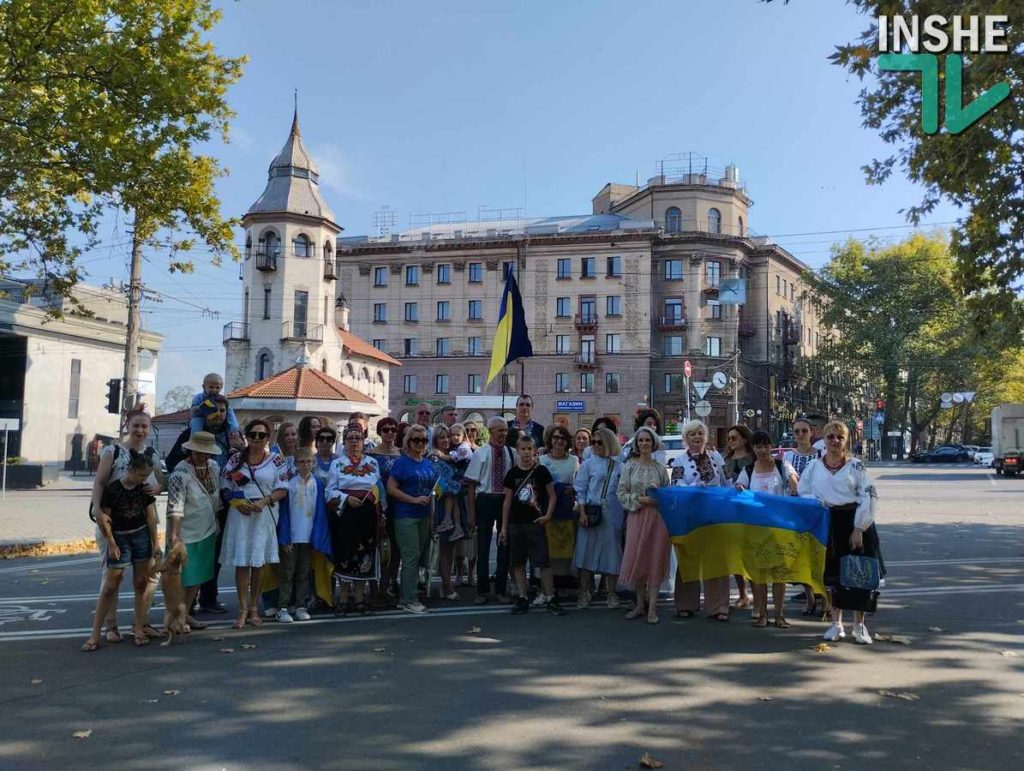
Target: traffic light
point(114, 396)
point(879, 404)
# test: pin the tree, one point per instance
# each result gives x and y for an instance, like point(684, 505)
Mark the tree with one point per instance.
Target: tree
point(105, 102)
point(178, 398)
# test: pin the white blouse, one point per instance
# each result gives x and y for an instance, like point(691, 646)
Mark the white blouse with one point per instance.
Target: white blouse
point(771, 482)
point(636, 479)
point(346, 475)
point(851, 484)
point(684, 471)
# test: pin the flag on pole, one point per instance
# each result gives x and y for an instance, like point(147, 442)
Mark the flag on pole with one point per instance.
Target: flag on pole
point(511, 338)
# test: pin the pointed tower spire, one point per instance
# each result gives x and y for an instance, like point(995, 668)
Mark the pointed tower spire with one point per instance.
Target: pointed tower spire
point(295, 117)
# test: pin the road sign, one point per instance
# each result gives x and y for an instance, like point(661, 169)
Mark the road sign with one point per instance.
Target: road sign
point(570, 405)
point(687, 369)
point(701, 388)
point(958, 398)
point(893, 433)
point(10, 424)
point(946, 397)
point(720, 380)
point(749, 413)
point(702, 408)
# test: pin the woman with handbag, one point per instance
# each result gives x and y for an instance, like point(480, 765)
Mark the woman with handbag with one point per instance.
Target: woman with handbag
point(599, 538)
point(842, 484)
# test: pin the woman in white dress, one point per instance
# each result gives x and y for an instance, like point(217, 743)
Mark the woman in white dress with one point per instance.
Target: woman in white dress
point(700, 467)
point(842, 484)
point(251, 484)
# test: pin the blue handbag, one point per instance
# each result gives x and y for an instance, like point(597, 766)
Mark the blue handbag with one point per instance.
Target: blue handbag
point(858, 572)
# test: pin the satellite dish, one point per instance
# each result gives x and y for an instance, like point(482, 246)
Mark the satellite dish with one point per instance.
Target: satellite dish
point(720, 380)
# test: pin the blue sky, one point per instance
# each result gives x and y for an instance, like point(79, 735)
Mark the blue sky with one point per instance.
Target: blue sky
point(452, 105)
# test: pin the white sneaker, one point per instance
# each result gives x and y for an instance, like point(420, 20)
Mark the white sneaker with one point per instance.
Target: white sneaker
point(415, 607)
point(540, 600)
point(283, 616)
point(861, 635)
point(834, 632)
point(583, 601)
point(301, 614)
point(270, 613)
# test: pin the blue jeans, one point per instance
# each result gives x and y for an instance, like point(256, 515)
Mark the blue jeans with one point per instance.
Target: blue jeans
point(135, 546)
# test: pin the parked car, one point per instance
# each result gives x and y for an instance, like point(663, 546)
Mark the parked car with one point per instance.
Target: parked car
point(948, 453)
point(674, 447)
point(984, 457)
point(971, 449)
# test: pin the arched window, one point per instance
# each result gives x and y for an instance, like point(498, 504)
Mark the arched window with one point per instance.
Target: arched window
point(328, 250)
point(673, 220)
point(248, 247)
point(364, 374)
point(270, 243)
point(740, 221)
point(714, 221)
point(323, 366)
point(350, 371)
point(264, 364)
point(300, 246)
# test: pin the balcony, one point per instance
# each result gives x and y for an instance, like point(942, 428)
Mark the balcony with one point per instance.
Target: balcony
point(585, 361)
point(791, 335)
point(330, 269)
point(585, 322)
point(301, 330)
point(671, 323)
point(711, 290)
point(266, 259)
point(236, 330)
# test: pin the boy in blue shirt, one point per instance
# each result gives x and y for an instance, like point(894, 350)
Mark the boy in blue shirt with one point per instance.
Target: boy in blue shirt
point(213, 384)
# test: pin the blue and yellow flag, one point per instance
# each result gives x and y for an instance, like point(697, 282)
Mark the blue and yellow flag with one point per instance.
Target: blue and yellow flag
point(719, 531)
point(511, 338)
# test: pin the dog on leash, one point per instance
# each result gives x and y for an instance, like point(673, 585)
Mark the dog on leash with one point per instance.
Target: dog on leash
point(175, 611)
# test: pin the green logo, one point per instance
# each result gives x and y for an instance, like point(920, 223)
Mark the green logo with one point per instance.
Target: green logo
point(958, 116)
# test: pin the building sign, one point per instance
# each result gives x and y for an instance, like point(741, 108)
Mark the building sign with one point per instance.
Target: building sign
point(570, 405)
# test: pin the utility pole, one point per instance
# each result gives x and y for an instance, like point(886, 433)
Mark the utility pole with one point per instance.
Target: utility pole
point(130, 392)
point(736, 388)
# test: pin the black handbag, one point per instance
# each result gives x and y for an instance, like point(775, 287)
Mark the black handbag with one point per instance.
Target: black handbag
point(595, 511)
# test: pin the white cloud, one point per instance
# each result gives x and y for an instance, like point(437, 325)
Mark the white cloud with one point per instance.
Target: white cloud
point(335, 173)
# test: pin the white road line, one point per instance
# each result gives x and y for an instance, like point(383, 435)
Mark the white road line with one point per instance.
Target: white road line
point(957, 561)
point(41, 567)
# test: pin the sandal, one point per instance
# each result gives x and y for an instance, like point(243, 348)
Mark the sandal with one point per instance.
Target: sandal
point(653, 620)
point(196, 626)
point(722, 617)
point(113, 635)
point(254, 619)
point(239, 622)
point(151, 631)
point(635, 613)
point(781, 623)
point(140, 639)
point(742, 603)
point(760, 622)
point(685, 614)
point(90, 645)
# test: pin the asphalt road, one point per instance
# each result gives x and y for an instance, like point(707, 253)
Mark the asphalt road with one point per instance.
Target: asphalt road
point(588, 690)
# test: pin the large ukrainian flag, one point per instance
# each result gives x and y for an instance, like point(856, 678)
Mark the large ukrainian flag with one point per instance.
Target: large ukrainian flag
point(719, 531)
point(511, 338)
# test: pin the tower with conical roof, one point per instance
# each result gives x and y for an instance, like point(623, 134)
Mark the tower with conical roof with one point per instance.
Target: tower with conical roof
point(290, 312)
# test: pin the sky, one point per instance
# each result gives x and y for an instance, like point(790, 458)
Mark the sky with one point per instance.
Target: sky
point(449, 106)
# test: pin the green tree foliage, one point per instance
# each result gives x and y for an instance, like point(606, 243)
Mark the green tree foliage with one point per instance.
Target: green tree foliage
point(104, 104)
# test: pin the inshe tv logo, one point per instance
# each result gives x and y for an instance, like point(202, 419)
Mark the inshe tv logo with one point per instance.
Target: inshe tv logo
point(937, 34)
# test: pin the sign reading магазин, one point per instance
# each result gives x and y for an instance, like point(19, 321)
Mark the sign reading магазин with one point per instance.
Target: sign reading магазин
point(570, 405)
point(950, 36)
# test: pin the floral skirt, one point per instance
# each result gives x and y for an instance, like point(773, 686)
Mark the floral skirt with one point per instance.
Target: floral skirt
point(354, 539)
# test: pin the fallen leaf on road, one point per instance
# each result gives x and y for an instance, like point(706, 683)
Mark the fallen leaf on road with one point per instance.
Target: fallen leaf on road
point(36, 570)
point(936, 629)
point(35, 681)
point(218, 639)
point(905, 695)
point(764, 698)
point(172, 692)
point(227, 650)
point(1008, 654)
point(646, 761)
point(43, 583)
point(379, 650)
point(150, 701)
point(248, 646)
point(83, 734)
point(474, 630)
point(822, 648)
point(899, 640)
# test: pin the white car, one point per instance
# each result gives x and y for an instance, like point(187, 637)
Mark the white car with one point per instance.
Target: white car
point(673, 448)
point(984, 457)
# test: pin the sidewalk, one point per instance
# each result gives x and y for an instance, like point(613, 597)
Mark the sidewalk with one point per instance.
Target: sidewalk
point(55, 514)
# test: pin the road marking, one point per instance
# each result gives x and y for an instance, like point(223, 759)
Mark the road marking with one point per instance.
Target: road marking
point(957, 561)
point(40, 567)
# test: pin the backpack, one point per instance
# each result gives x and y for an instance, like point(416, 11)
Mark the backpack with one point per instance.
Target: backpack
point(149, 452)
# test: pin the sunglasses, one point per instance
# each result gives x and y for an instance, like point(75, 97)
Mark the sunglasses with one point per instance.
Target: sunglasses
point(257, 435)
point(423, 413)
point(325, 438)
point(389, 430)
point(418, 440)
point(834, 438)
point(596, 443)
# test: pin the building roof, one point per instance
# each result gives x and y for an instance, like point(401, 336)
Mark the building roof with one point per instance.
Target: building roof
point(173, 417)
point(356, 346)
point(300, 383)
point(293, 182)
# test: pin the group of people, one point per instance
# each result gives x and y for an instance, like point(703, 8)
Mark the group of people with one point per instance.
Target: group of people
point(310, 516)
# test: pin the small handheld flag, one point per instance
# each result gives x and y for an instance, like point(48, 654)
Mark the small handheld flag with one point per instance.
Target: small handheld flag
point(511, 337)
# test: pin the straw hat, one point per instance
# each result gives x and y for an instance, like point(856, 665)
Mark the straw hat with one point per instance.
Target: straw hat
point(202, 441)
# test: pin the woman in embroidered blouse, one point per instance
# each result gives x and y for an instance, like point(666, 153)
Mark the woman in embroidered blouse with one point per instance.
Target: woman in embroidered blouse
point(355, 523)
point(249, 485)
point(799, 458)
point(193, 499)
point(287, 443)
point(599, 548)
point(842, 483)
point(739, 455)
point(386, 453)
point(700, 467)
point(561, 531)
point(645, 561)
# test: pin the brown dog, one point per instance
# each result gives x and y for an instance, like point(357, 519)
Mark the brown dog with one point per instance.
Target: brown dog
point(175, 612)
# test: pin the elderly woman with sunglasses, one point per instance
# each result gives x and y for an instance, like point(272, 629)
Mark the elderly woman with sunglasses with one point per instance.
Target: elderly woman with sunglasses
point(324, 442)
point(252, 484)
point(599, 545)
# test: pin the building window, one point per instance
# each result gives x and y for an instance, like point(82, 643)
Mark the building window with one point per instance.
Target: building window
point(380, 276)
point(75, 387)
point(713, 273)
point(714, 309)
point(562, 344)
point(778, 284)
point(444, 310)
point(266, 303)
point(412, 312)
point(611, 382)
point(411, 346)
point(474, 347)
point(263, 366)
point(561, 383)
point(508, 383)
point(476, 310)
point(380, 313)
point(409, 384)
point(412, 275)
point(613, 343)
point(380, 343)
point(588, 267)
point(443, 347)
point(586, 382)
point(674, 310)
point(588, 309)
point(673, 270)
point(674, 345)
point(588, 347)
point(563, 307)
point(712, 346)
point(614, 267)
point(475, 384)
point(476, 272)
point(300, 311)
point(673, 220)
point(564, 268)
point(444, 274)
point(739, 222)
point(668, 383)
point(613, 305)
point(301, 246)
point(506, 267)
point(714, 221)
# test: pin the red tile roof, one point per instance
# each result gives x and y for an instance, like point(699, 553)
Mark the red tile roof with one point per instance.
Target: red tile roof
point(359, 347)
point(174, 417)
point(300, 383)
